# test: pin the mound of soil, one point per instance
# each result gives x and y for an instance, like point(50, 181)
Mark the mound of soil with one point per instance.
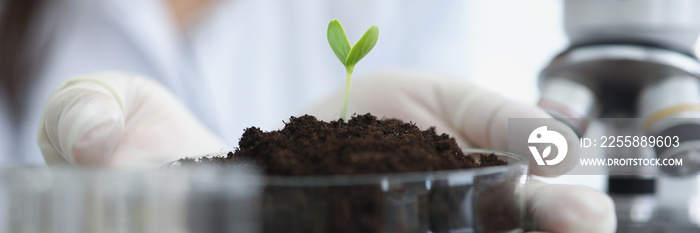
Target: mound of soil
point(365, 145)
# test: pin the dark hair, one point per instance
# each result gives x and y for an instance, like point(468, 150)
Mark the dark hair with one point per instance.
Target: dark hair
point(16, 20)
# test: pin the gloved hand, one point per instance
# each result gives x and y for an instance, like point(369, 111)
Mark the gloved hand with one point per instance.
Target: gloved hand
point(478, 118)
point(117, 119)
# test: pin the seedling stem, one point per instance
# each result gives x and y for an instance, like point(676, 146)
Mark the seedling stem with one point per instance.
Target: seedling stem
point(346, 98)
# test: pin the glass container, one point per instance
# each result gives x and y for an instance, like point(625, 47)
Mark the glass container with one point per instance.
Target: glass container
point(237, 199)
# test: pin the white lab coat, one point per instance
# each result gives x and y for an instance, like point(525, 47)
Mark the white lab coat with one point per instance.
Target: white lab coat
point(257, 62)
point(6, 130)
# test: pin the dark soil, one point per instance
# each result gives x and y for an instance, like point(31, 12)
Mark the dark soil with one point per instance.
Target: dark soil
point(363, 145)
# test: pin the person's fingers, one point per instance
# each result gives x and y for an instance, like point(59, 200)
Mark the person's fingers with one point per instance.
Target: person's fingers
point(471, 114)
point(569, 208)
point(460, 109)
point(119, 119)
point(83, 123)
point(517, 140)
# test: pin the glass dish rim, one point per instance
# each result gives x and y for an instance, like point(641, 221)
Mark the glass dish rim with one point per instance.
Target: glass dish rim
point(521, 163)
point(227, 177)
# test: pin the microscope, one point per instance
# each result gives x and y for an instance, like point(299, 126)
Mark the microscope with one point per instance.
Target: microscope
point(633, 59)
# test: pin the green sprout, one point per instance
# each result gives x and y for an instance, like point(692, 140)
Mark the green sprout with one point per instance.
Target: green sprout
point(349, 56)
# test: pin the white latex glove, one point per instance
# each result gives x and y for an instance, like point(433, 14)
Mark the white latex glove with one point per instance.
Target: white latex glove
point(117, 119)
point(478, 118)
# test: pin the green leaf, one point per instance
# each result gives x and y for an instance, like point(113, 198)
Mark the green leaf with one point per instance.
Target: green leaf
point(363, 46)
point(338, 40)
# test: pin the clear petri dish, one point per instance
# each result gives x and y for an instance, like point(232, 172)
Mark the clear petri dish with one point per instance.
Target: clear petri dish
point(237, 199)
point(475, 200)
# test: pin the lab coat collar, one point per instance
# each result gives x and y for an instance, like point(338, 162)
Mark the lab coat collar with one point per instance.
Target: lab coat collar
point(151, 28)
